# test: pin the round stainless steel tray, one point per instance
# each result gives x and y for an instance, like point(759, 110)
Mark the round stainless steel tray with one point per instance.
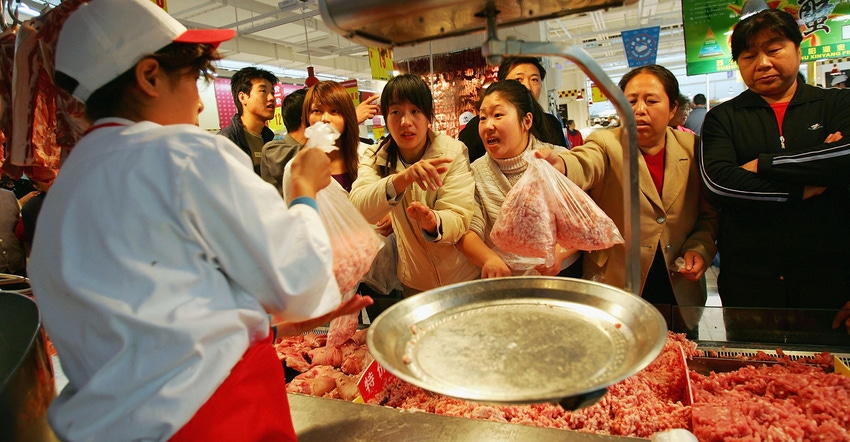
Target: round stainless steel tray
point(519, 339)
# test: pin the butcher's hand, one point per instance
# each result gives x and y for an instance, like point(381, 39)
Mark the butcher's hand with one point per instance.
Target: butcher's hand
point(385, 225)
point(843, 316)
point(367, 109)
point(494, 267)
point(552, 158)
point(423, 214)
point(694, 266)
point(311, 172)
point(427, 174)
point(353, 305)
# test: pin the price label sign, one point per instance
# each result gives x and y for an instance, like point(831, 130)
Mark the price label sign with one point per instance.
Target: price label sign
point(373, 381)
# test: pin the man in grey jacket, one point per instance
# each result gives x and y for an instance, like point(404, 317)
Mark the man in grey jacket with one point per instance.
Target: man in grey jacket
point(697, 115)
point(277, 153)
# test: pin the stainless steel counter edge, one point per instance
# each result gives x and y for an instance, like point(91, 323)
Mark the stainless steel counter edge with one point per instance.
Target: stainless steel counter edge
point(319, 419)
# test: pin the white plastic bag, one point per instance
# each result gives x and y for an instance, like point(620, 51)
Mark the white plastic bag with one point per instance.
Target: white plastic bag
point(321, 135)
point(354, 241)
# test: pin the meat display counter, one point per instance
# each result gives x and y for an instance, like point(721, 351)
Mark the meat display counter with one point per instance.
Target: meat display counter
point(739, 336)
point(730, 340)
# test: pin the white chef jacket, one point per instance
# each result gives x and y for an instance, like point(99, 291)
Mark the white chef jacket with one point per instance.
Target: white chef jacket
point(157, 249)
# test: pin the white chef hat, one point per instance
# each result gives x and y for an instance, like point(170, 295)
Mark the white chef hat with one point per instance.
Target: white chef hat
point(104, 38)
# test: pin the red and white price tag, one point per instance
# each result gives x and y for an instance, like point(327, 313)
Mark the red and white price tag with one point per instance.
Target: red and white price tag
point(373, 381)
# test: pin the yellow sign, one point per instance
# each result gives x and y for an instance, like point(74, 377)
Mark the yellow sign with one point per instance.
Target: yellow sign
point(162, 4)
point(840, 367)
point(276, 123)
point(381, 62)
point(378, 132)
point(353, 92)
point(596, 95)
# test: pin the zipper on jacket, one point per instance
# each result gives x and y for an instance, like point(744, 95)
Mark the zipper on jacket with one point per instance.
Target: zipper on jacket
point(782, 141)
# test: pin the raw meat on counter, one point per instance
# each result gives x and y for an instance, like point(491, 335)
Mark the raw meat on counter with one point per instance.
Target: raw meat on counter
point(790, 401)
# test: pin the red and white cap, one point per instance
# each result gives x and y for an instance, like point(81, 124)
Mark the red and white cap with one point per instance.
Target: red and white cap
point(104, 38)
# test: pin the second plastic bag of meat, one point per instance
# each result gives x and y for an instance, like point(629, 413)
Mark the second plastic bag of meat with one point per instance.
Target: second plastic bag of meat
point(545, 208)
point(355, 245)
point(354, 241)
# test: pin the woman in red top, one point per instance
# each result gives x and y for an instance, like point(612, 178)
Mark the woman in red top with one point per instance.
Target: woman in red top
point(573, 135)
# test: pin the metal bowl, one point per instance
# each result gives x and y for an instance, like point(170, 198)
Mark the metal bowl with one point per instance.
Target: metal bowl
point(518, 340)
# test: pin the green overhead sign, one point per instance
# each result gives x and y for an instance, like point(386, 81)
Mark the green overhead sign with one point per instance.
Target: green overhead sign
point(708, 24)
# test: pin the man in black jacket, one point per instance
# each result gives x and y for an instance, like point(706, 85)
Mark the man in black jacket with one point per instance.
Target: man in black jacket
point(253, 93)
point(529, 72)
point(775, 162)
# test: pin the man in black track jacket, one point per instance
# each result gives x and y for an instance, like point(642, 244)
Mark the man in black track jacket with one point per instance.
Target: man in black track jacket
point(776, 162)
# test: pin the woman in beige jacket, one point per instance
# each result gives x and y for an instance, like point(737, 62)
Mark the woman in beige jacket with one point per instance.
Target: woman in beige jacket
point(675, 218)
point(423, 180)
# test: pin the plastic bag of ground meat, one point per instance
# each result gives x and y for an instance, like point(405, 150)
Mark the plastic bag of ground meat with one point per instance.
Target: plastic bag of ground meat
point(354, 242)
point(355, 245)
point(526, 224)
point(580, 223)
point(545, 208)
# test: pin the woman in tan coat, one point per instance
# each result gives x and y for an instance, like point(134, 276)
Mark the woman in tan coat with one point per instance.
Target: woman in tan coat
point(423, 180)
point(675, 219)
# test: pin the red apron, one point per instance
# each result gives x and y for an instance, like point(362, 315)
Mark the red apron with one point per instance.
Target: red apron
point(250, 405)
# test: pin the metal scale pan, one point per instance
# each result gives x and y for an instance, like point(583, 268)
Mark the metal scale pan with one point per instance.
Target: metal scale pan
point(519, 340)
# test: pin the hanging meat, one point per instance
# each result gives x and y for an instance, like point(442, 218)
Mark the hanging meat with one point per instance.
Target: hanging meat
point(7, 57)
point(45, 119)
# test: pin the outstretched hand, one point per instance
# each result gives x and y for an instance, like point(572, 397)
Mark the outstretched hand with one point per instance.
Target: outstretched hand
point(423, 214)
point(353, 305)
point(367, 109)
point(426, 173)
point(552, 158)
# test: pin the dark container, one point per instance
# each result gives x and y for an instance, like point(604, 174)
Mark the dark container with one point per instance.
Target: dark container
point(26, 371)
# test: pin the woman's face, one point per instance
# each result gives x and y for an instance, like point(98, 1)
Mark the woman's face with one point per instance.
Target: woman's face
point(680, 116)
point(651, 106)
point(408, 126)
point(504, 134)
point(327, 114)
point(770, 65)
